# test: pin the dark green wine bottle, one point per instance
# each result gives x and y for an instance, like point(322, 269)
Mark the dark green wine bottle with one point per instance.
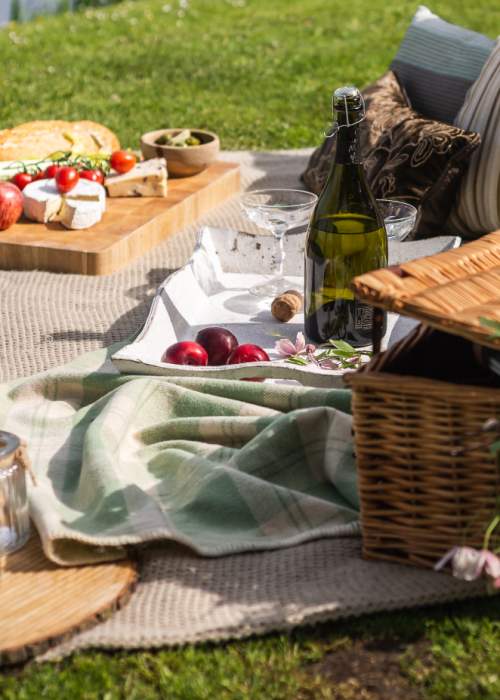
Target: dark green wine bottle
point(346, 237)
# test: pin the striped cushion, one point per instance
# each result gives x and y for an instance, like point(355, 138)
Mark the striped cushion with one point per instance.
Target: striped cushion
point(437, 62)
point(478, 206)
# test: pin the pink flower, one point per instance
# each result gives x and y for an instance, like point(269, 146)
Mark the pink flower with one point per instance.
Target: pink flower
point(469, 564)
point(286, 348)
point(465, 562)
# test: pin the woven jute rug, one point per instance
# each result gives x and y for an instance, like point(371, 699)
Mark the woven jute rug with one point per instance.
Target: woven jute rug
point(48, 319)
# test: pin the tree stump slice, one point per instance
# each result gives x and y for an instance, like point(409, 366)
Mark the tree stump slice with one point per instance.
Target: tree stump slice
point(42, 603)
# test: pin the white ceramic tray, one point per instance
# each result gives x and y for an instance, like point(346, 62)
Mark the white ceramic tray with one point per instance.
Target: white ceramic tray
point(212, 290)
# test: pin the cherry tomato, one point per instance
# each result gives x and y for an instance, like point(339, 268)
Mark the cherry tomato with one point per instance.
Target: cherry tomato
point(122, 161)
point(40, 175)
point(22, 179)
point(93, 175)
point(66, 178)
point(51, 171)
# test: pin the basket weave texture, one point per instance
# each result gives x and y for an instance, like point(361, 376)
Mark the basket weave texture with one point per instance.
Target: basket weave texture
point(451, 291)
point(427, 481)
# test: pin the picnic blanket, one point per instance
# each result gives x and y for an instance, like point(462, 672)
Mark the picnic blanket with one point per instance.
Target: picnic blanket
point(221, 466)
point(47, 320)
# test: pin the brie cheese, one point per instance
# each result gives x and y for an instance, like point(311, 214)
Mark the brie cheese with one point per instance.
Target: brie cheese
point(87, 191)
point(44, 203)
point(146, 179)
point(77, 214)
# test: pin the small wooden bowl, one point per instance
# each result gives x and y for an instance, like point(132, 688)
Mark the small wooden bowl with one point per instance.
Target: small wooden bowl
point(182, 162)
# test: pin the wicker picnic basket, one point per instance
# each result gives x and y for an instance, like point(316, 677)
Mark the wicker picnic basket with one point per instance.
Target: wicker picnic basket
point(427, 478)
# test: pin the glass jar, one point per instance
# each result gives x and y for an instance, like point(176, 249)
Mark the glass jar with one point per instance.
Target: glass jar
point(14, 516)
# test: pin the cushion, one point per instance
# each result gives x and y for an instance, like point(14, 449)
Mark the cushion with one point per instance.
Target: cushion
point(437, 62)
point(420, 161)
point(407, 156)
point(380, 100)
point(478, 205)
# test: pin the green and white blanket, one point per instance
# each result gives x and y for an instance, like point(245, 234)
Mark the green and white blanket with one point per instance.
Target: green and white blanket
point(221, 466)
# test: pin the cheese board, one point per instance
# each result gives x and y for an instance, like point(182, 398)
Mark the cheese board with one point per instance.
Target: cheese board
point(129, 227)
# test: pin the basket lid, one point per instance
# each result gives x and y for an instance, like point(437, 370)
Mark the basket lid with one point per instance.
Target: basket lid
point(457, 291)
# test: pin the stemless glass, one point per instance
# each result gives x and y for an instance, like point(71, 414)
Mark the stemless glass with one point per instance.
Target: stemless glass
point(14, 516)
point(399, 218)
point(277, 210)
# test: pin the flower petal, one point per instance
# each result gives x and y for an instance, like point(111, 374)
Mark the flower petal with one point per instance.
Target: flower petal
point(328, 363)
point(491, 564)
point(300, 342)
point(467, 563)
point(444, 560)
point(285, 347)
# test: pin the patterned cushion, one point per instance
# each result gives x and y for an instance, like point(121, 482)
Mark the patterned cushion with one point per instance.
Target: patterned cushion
point(420, 161)
point(437, 62)
point(478, 207)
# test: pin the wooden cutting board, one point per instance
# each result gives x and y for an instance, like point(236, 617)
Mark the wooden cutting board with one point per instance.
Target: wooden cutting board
point(130, 227)
point(40, 603)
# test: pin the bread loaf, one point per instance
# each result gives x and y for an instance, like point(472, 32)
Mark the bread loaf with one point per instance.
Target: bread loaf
point(36, 140)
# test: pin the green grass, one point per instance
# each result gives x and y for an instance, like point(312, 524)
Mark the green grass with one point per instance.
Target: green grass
point(449, 654)
point(260, 73)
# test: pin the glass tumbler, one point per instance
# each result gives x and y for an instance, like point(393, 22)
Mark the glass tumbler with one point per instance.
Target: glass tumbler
point(14, 516)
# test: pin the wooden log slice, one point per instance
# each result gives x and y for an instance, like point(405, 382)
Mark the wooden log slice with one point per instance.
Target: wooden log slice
point(42, 603)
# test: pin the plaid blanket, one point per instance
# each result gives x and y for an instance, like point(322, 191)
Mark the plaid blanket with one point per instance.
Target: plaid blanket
point(220, 466)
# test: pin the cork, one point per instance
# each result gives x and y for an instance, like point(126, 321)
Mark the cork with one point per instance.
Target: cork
point(286, 305)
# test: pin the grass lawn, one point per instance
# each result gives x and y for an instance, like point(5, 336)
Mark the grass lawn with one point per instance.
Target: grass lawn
point(260, 73)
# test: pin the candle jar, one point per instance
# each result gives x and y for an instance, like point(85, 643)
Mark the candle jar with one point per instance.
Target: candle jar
point(14, 516)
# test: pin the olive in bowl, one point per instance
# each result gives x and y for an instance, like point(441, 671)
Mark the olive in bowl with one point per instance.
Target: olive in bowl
point(183, 159)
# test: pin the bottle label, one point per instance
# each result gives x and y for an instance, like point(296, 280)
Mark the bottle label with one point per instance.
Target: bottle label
point(363, 317)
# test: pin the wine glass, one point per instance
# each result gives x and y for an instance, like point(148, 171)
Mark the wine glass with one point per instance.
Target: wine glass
point(277, 210)
point(399, 218)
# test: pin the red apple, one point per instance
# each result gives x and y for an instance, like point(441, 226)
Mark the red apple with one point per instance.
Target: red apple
point(247, 353)
point(186, 353)
point(218, 342)
point(11, 204)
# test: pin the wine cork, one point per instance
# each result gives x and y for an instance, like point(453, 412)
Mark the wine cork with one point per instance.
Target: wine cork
point(286, 305)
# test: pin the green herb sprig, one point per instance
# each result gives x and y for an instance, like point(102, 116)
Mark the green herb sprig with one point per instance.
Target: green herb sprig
point(75, 160)
point(336, 354)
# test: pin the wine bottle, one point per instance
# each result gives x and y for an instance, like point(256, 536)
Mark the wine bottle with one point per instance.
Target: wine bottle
point(346, 237)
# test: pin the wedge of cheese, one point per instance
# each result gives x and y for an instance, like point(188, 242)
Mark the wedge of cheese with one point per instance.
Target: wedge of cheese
point(82, 207)
point(146, 179)
point(87, 191)
point(77, 214)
